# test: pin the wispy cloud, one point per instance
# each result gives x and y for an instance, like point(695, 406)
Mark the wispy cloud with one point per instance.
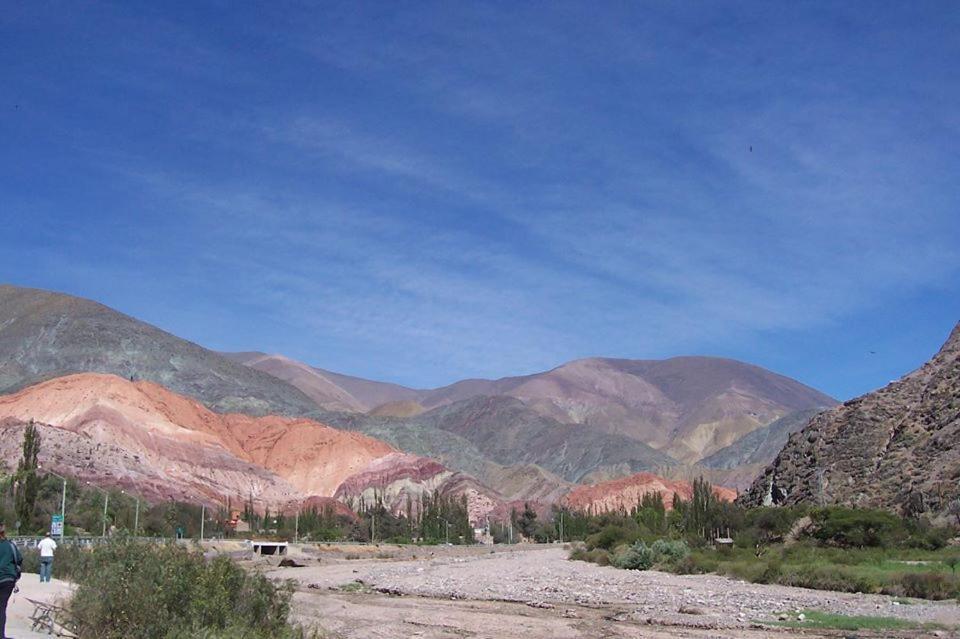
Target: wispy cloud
point(421, 196)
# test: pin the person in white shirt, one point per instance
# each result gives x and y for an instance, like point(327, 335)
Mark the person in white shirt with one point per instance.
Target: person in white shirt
point(47, 545)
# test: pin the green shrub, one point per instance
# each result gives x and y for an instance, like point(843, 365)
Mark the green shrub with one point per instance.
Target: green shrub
point(697, 563)
point(637, 556)
point(666, 552)
point(858, 528)
point(597, 556)
point(132, 590)
point(929, 585)
point(67, 562)
point(610, 537)
point(827, 577)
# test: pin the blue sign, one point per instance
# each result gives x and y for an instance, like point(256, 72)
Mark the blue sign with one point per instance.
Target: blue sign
point(56, 525)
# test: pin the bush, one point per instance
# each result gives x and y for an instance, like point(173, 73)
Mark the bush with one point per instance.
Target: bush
point(827, 577)
point(668, 552)
point(132, 590)
point(635, 557)
point(596, 556)
point(696, 564)
point(609, 537)
point(67, 562)
point(929, 585)
point(849, 527)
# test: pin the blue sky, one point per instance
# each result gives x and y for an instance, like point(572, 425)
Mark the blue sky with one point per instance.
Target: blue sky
point(422, 192)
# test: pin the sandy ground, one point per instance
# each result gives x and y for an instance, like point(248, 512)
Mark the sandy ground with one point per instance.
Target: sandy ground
point(19, 609)
point(534, 592)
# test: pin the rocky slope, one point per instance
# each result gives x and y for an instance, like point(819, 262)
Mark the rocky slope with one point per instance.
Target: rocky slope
point(760, 447)
point(45, 335)
point(897, 447)
point(625, 493)
point(506, 430)
point(108, 430)
point(400, 481)
point(688, 407)
point(331, 391)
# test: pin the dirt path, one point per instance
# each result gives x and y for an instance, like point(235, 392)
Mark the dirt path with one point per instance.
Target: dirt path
point(20, 608)
point(535, 592)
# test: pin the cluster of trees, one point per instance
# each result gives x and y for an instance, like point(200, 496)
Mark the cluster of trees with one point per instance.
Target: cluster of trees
point(434, 518)
point(698, 520)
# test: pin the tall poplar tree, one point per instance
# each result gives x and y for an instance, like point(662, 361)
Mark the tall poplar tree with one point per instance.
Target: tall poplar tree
point(28, 483)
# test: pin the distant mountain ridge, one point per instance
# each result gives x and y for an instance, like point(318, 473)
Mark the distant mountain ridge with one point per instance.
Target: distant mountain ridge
point(45, 335)
point(329, 390)
point(687, 407)
point(589, 418)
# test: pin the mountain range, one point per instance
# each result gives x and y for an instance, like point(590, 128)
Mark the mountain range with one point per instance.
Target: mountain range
point(686, 407)
point(524, 437)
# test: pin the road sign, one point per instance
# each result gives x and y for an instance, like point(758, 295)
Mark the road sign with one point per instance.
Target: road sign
point(56, 525)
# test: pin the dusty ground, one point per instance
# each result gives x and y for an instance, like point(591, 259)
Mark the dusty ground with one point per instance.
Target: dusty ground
point(20, 608)
point(536, 593)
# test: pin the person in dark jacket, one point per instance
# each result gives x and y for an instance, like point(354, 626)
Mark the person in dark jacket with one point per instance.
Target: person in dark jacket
point(11, 563)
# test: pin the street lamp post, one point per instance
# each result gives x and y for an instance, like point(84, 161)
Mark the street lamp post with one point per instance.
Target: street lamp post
point(136, 513)
point(106, 502)
point(63, 501)
point(296, 526)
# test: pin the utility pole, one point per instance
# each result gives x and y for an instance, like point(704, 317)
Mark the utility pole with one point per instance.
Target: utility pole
point(296, 526)
point(63, 509)
point(106, 500)
point(561, 526)
point(203, 517)
point(63, 501)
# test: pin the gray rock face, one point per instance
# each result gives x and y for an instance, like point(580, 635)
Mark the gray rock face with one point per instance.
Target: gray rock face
point(45, 335)
point(762, 445)
point(897, 447)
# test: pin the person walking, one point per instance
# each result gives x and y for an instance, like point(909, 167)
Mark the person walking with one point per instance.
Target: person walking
point(11, 564)
point(47, 546)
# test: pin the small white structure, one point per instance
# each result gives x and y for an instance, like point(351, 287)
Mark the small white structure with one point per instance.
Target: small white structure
point(268, 547)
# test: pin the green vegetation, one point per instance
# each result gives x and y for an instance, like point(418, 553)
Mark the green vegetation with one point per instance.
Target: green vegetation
point(434, 519)
point(84, 511)
point(132, 590)
point(815, 619)
point(27, 483)
point(843, 549)
point(809, 565)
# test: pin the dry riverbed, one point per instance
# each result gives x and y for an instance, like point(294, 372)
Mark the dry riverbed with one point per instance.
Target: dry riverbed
point(535, 592)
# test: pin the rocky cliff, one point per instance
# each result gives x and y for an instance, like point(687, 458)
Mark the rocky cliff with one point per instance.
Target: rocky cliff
point(400, 481)
point(897, 447)
point(139, 435)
